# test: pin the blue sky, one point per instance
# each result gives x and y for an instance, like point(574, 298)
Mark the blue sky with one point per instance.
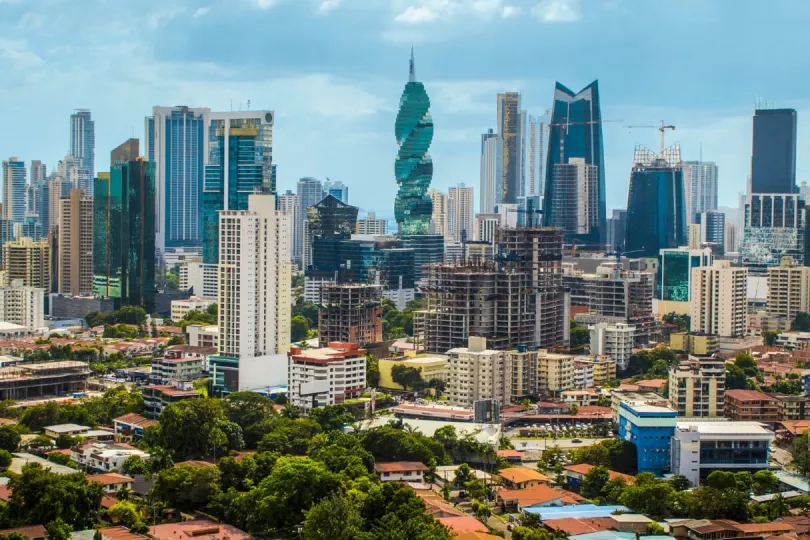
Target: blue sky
point(333, 71)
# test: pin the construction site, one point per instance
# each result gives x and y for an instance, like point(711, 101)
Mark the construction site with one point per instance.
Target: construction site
point(24, 381)
point(350, 313)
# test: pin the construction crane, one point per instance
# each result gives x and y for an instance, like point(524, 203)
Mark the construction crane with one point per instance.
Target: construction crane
point(662, 128)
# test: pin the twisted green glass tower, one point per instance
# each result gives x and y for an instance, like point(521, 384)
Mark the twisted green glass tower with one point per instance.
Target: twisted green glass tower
point(413, 167)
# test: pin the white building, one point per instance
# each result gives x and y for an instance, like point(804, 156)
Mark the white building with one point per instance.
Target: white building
point(485, 227)
point(717, 303)
point(583, 376)
point(181, 307)
point(325, 376)
point(697, 387)
point(489, 172)
point(613, 340)
point(371, 225)
point(203, 336)
point(288, 204)
point(460, 213)
point(701, 447)
point(255, 294)
point(309, 192)
point(793, 340)
point(438, 219)
point(401, 471)
point(474, 373)
point(104, 457)
point(201, 278)
point(24, 306)
point(700, 187)
point(181, 363)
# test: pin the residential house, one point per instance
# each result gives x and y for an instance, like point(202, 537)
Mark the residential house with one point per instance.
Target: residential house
point(401, 471)
point(111, 482)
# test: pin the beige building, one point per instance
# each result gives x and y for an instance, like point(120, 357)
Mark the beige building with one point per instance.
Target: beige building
point(604, 368)
point(180, 308)
point(75, 273)
point(430, 367)
point(788, 289)
point(460, 213)
point(438, 219)
point(718, 296)
point(696, 344)
point(474, 373)
point(523, 365)
point(555, 372)
point(697, 387)
point(28, 261)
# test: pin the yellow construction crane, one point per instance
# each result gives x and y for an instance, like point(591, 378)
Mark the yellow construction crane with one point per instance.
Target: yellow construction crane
point(662, 128)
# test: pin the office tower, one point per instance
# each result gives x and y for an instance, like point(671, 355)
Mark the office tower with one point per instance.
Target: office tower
point(576, 133)
point(337, 189)
point(129, 150)
point(240, 158)
point(508, 179)
point(288, 205)
point(533, 140)
point(489, 172)
point(75, 272)
point(124, 223)
point(427, 249)
point(460, 213)
point(775, 226)
point(804, 191)
point(656, 216)
point(717, 303)
point(485, 227)
point(83, 147)
point(177, 143)
point(674, 278)
point(29, 261)
point(23, 305)
point(616, 228)
point(56, 189)
point(712, 228)
point(697, 387)
point(700, 187)
point(38, 171)
point(773, 157)
point(439, 214)
point(413, 166)
point(731, 237)
point(350, 313)
point(310, 192)
point(14, 190)
point(530, 211)
point(788, 289)
point(254, 293)
point(575, 204)
point(371, 225)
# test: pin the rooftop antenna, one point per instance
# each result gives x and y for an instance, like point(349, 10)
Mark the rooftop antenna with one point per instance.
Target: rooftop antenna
point(248, 105)
point(412, 72)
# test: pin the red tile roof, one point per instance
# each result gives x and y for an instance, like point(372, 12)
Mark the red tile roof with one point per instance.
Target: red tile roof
point(206, 528)
point(109, 479)
point(5, 493)
point(584, 468)
point(538, 494)
point(119, 533)
point(30, 531)
point(574, 526)
point(748, 395)
point(135, 419)
point(518, 475)
point(400, 466)
point(459, 524)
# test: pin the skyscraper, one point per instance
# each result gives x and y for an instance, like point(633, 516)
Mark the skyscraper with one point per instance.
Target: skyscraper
point(129, 150)
point(288, 205)
point(75, 268)
point(576, 132)
point(124, 234)
point(14, 190)
point(461, 213)
point(337, 189)
point(533, 139)
point(656, 217)
point(575, 205)
point(489, 172)
point(773, 158)
point(616, 225)
point(310, 193)
point(38, 171)
point(775, 226)
point(439, 214)
point(413, 167)
point(83, 147)
point(700, 187)
point(240, 159)
point(177, 143)
point(510, 176)
point(717, 303)
point(29, 261)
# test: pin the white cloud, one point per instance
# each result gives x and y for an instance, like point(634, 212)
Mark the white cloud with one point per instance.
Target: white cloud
point(557, 11)
point(510, 11)
point(17, 53)
point(265, 4)
point(425, 11)
point(160, 18)
point(31, 20)
point(327, 6)
point(417, 15)
point(201, 12)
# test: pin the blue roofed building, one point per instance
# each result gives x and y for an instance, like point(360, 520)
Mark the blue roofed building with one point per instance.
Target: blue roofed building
point(575, 511)
point(650, 428)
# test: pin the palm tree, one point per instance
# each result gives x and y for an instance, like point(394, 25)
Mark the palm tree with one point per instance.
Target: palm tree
point(289, 411)
point(778, 507)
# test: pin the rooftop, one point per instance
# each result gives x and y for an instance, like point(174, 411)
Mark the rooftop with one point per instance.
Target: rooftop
point(518, 475)
point(725, 428)
point(585, 468)
point(616, 535)
point(748, 395)
point(135, 419)
point(576, 511)
point(534, 495)
point(66, 428)
point(400, 466)
point(335, 352)
point(458, 524)
point(20, 459)
point(109, 479)
point(210, 529)
point(574, 526)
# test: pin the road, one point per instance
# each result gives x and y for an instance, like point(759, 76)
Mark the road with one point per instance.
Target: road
point(542, 444)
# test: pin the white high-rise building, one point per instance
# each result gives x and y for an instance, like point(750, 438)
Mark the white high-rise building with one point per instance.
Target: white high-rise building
point(700, 187)
point(489, 172)
point(460, 213)
point(613, 340)
point(254, 292)
point(371, 225)
point(310, 192)
point(717, 301)
point(288, 204)
point(23, 305)
point(533, 153)
point(439, 218)
point(485, 227)
point(83, 148)
point(38, 171)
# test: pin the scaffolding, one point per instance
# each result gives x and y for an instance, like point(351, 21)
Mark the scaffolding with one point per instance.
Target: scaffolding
point(26, 380)
point(350, 313)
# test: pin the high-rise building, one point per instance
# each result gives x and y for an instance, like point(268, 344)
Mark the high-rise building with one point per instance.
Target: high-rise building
point(775, 226)
point(697, 387)
point(616, 229)
point(439, 215)
point(788, 289)
point(508, 181)
point(75, 272)
point(413, 166)
point(656, 216)
point(712, 228)
point(732, 238)
point(177, 143)
point(254, 295)
point(310, 192)
point(717, 303)
point(700, 187)
point(240, 159)
point(773, 157)
point(14, 190)
point(28, 261)
point(337, 189)
point(489, 172)
point(40, 204)
point(530, 211)
point(288, 205)
point(56, 189)
point(460, 213)
point(575, 205)
point(533, 153)
point(38, 171)
point(371, 225)
point(124, 223)
point(23, 305)
point(485, 227)
point(613, 340)
point(350, 313)
point(83, 148)
point(674, 280)
point(129, 150)
point(576, 133)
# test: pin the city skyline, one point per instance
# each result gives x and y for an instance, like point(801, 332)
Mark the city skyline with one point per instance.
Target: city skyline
point(347, 96)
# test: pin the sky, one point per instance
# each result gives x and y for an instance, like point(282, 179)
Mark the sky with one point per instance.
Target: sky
point(333, 72)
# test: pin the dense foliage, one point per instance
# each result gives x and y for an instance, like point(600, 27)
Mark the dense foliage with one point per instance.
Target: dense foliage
point(126, 315)
point(682, 321)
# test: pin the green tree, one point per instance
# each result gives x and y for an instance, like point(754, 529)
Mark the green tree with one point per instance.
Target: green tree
point(332, 417)
point(735, 377)
point(655, 529)
point(765, 482)
point(438, 385)
point(747, 363)
point(680, 482)
point(64, 441)
point(372, 371)
point(299, 328)
point(59, 530)
point(125, 513)
point(770, 337)
point(5, 458)
point(407, 376)
point(801, 322)
point(134, 465)
point(593, 484)
point(194, 428)
point(9, 438)
point(333, 518)
point(187, 487)
point(574, 409)
point(580, 336)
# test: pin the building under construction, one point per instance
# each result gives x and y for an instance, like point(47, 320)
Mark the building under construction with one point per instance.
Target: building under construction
point(43, 379)
point(350, 313)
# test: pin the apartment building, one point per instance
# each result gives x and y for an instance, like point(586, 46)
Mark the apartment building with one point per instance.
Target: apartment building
point(555, 372)
point(604, 368)
point(75, 244)
point(22, 305)
point(474, 373)
point(697, 387)
point(793, 407)
point(104, 457)
point(29, 261)
point(326, 376)
point(583, 375)
point(751, 405)
point(182, 363)
point(788, 289)
point(613, 340)
point(718, 300)
point(180, 308)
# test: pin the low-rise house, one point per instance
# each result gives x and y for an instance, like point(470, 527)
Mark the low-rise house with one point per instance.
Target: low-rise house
point(104, 457)
point(573, 526)
point(751, 405)
point(574, 474)
point(537, 495)
point(580, 398)
point(447, 474)
point(401, 471)
point(21, 459)
point(71, 430)
point(32, 532)
point(132, 425)
point(197, 528)
point(636, 523)
point(111, 482)
point(522, 478)
point(462, 524)
point(157, 397)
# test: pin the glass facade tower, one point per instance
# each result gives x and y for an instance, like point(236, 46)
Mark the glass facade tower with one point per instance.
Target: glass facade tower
point(413, 166)
point(124, 234)
point(576, 132)
point(14, 174)
point(83, 147)
point(773, 158)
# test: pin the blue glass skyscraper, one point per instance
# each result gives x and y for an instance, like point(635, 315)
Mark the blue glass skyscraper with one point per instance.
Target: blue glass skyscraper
point(14, 190)
point(576, 132)
point(413, 166)
point(83, 147)
point(773, 158)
